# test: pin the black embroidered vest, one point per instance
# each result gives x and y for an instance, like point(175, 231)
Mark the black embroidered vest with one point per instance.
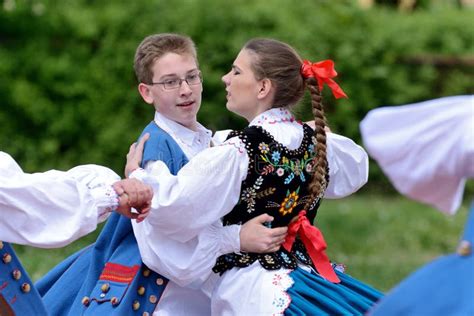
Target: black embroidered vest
point(276, 184)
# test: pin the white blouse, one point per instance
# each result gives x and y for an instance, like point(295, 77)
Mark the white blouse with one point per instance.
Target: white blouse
point(189, 205)
point(53, 208)
point(426, 149)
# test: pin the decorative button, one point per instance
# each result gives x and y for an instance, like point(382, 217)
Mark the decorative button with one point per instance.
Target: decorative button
point(6, 258)
point(146, 314)
point(1, 244)
point(136, 305)
point(105, 287)
point(146, 273)
point(114, 301)
point(86, 301)
point(153, 299)
point(25, 287)
point(16, 274)
point(141, 290)
point(464, 248)
point(159, 281)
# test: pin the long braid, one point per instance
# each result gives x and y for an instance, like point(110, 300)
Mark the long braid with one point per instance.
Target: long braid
point(318, 183)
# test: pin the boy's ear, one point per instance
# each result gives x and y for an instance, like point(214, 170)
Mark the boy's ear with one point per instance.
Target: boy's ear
point(145, 92)
point(265, 87)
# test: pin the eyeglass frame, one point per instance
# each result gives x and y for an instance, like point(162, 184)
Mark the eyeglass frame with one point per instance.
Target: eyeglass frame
point(199, 74)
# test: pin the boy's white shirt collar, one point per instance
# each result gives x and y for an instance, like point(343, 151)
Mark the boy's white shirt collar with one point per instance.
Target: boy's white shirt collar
point(183, 134)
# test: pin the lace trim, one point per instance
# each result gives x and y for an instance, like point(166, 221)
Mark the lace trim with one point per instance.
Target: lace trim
point(282, 282)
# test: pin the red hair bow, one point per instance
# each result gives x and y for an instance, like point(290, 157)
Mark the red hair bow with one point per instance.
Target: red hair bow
point(323, 71)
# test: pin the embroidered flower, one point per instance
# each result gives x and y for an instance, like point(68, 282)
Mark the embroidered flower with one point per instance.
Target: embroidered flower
point(289, 178)
point(314, 140)
point(289, 203)
point(309, 168)
point(248, 195)
point(276, 156)
point(311, 148)
point(267, 169)
point(297, 168)
point(284, 160)
point(280, 172)
point(263, 148)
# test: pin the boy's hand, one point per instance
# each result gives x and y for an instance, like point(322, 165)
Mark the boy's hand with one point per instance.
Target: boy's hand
point(255, 237)
point(135, 155)
point(133, 193)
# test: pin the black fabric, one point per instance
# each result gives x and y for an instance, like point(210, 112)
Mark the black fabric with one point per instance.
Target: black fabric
point(276, 184)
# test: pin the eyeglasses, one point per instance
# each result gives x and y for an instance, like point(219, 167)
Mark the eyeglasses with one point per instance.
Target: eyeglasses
point(175, 83)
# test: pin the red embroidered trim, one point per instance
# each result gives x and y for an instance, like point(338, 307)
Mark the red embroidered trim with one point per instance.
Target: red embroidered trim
point(118, 273)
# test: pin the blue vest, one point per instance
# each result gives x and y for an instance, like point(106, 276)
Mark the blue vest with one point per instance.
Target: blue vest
point(18, 296)
point(109, 277)
point(442, 287)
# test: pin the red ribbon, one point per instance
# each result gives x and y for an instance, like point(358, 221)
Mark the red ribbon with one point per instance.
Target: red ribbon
point(313, 240)
point(323, 71)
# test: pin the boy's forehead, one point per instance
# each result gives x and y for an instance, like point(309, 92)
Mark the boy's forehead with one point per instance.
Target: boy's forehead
point(174, 64)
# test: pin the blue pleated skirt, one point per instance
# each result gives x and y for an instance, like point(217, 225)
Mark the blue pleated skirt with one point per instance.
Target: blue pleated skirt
point(313, 295)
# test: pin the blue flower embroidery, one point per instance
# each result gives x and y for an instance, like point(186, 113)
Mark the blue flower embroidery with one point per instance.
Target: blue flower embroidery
point(276, 156)
point(289, 178)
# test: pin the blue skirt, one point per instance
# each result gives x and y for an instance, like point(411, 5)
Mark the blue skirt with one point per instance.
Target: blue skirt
point(313, 295)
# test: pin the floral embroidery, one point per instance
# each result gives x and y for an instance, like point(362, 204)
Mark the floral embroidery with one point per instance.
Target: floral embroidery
point(280, 172)
point(292, 167)
point(282, 281)
point(289, 202)
point(275, 156)
point(250, 194)
point(263, 148)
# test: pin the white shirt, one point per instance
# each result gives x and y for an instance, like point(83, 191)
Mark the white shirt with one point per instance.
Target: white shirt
point(53, 208)
point(187, 264)
point(426, 149)
point(208, 187)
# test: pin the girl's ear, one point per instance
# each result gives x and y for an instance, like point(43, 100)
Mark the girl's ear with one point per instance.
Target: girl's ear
point(145, 92)
point(265, 88)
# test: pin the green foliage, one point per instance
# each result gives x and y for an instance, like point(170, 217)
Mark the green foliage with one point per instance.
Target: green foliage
point(69, 93)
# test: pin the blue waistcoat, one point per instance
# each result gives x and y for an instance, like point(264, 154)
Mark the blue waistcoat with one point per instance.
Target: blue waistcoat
point(108, 277)
point(18, 296)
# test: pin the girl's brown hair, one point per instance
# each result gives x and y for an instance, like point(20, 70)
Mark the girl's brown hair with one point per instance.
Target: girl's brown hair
point(280, 63)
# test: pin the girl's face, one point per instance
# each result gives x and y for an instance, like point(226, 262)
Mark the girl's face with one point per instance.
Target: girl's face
point(242, 87)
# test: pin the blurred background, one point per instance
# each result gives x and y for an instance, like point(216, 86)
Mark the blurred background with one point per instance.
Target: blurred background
point(68, 96)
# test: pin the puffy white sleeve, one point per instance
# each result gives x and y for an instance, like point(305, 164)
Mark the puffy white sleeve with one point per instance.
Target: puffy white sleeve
point(348, 166)
point(203, 191)
point(426, 149)
point(186, 263)
point(53, 208)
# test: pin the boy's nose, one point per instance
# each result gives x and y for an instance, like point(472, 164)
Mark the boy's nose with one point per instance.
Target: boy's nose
point(184, 88)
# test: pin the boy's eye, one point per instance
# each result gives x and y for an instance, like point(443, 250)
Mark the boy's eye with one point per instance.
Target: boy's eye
point(171, 82)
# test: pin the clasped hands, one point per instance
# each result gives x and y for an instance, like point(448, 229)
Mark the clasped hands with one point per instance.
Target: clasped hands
point(133, 193)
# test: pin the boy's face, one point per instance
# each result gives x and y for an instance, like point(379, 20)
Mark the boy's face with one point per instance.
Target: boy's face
point(180, 104)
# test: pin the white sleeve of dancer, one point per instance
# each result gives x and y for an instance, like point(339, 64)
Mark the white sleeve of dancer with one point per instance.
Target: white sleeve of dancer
point(53, 208)
point(203, 191)
point(186, 263)
point(348, 166)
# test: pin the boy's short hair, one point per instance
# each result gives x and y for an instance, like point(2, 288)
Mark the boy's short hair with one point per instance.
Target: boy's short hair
point(157, 45)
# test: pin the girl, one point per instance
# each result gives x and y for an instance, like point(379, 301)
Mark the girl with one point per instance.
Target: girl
point(276, 166)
